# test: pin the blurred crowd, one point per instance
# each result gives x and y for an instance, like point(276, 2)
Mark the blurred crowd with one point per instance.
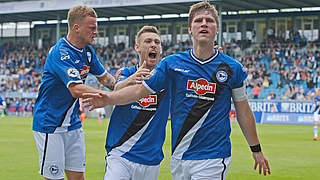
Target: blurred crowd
point(283, 69)
point(20, 67)
point(278, 69)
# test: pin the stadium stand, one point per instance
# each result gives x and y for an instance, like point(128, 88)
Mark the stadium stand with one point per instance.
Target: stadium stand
point(281, 70)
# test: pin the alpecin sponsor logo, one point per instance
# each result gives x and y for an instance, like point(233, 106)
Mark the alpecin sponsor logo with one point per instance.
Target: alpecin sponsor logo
point(149, 100)
point(85, 71)
point(201, 86)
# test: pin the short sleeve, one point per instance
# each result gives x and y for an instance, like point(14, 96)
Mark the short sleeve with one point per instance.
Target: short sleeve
point(240, 76)
point(96, 68)
point(158, 77)
point(63, 67)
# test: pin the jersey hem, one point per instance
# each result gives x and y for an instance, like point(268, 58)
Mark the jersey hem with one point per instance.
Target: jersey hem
point(203, 157)
point(100, 75)
point(79, 81)
point(51, 130)
point(149, 163)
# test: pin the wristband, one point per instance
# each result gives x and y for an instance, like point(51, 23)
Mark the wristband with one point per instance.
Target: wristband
point(255, 148)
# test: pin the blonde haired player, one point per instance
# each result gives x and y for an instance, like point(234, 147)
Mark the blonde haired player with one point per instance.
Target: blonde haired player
point(56, 126)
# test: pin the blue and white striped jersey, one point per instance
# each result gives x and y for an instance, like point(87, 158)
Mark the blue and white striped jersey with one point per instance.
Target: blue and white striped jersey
point(2, 101)
point(316, 101)
point(200, 102)
point(137, 130)
point(55, 109)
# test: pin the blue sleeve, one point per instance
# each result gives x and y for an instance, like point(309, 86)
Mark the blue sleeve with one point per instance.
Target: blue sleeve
point(159, 76)
point(240, 76)
point(96, 68)
point(62, 66)
point(125, 73)
point(316, 100)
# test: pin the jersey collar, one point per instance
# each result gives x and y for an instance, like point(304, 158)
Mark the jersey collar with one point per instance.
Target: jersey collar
point(194, 57)
point(72, 46)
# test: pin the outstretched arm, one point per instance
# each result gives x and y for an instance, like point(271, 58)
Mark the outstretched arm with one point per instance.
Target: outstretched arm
point(247, 124)
point(107, 80)
point(77, 89)
point(123, 96)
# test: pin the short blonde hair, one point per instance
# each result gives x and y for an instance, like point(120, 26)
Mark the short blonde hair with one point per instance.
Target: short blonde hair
point(147, 29)
point(78, 13)
point(202, 6)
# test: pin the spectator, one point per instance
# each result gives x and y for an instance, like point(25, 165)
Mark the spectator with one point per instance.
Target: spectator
point(256, 92)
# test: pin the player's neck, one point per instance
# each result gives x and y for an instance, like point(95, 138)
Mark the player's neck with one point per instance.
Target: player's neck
point(147, 67)
point(203, 51)
point(74, 40)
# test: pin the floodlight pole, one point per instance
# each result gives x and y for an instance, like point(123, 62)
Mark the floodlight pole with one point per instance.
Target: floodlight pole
point(318, 26)
point(131, 35)
point(30, 33)
point(15, 32)
point(58, 27)
point(1, 31)
point(219, 40)
point(174, 33)
point(220, 27)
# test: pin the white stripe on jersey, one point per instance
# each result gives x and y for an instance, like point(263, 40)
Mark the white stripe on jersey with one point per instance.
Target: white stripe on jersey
point(187, 139)
point(206, 61)
point(126, 146)
point(77, 82)
point(74, 47)
point(317, 111)
point(105, 72)
point(66, 121)
point(146, 86)
point(239, 94)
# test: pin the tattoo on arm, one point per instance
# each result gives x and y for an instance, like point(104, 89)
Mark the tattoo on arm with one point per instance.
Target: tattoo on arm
point(110, 82)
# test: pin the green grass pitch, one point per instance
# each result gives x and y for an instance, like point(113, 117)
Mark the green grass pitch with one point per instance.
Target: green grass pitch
point(291, 152)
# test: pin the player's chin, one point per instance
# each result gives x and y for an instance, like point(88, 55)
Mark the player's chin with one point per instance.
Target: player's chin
point(152, 62)
point(91, 43)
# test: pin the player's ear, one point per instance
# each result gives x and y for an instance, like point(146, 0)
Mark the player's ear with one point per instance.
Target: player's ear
point(189, 30)
point(76, 27)
point(160, 48)
point(137, 47)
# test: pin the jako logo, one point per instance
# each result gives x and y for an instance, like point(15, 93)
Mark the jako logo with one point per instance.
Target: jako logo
point(149, 100)
point(65, 57)
point(201, 86)
point(85, 71)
